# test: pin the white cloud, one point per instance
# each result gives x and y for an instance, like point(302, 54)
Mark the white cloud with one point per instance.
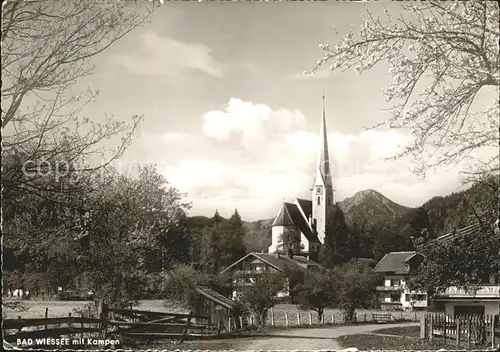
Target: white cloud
point(250, 120)
point(167, 56)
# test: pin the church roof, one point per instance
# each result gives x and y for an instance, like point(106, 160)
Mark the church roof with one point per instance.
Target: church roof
point(284, 217)
point(290, 215)
point(306, 206)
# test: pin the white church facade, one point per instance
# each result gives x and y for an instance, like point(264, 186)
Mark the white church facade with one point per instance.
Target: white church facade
point(304, 221)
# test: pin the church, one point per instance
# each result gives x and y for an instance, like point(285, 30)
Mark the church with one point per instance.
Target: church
point(304, 221)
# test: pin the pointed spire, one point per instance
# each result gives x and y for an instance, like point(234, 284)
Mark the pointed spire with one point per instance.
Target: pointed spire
point(324, 157)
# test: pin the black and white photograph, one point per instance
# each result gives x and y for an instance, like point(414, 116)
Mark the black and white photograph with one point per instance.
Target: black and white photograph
point(250, 175)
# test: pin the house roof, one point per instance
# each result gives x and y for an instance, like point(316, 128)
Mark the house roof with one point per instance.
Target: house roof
point(463, 232)
point(468, 230)
point(306, 206)
point(217, 298)
point(394, 262)
point(279, 262)
point(290, 215)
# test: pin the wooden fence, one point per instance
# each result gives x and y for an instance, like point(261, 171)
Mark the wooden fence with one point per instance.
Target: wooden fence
point(466, 330)
point(301, 318)
point(114, 324)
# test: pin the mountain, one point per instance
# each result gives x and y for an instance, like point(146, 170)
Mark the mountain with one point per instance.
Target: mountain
point(384, 218)
point(373, 206)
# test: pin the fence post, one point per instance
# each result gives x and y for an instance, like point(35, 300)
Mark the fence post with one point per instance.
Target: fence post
point(364, 318)
point(431, 327)
point(186, 327)
point(298, 318)
point(286, 319)
point(458, 332)
point(103, 316)
point(333, 318)
point(310, 319)
point(46, 317)
point(251, 320)
point(468, 333)
point(492, 322)
point(445, 324)
point(219, 326)
point(422, 327)
point(272, 317)
point(81, 325)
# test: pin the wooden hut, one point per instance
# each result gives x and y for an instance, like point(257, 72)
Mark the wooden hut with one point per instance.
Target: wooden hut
point(219, 308)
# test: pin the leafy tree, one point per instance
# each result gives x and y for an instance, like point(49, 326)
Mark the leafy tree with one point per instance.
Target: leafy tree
point(335, 249)
point(316, 293)
point(442, 56)
point(467, 261)
point(181, 285)
point(127, 219)
point(354, 284)
point(263, 295)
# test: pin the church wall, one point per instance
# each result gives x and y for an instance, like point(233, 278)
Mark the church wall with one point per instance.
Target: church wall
point(304, 242)
point(276, 233)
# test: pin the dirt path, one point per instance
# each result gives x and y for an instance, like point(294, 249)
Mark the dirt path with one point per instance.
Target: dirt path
point(309, 339)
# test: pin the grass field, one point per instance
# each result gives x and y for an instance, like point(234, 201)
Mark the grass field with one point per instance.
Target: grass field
point(409, 331)
point(36, 309)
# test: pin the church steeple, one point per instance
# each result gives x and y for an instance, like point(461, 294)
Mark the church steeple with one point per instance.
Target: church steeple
point(324, 157)
point(322, 193)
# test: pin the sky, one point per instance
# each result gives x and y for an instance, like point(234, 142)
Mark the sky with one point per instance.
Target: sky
point(231, 120)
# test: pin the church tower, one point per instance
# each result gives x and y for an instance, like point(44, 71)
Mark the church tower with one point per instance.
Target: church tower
point(322, 192)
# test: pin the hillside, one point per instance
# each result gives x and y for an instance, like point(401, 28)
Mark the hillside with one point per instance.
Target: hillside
point(373, 206)
point(384, 218)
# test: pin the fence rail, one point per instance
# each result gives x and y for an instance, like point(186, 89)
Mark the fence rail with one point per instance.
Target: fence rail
point(300, 318)
point(113, 323)
point(464, 330)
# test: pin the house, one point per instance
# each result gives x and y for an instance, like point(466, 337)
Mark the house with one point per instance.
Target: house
point(303, 222)
point(479, 299)
point(395, 294)
point(244, 271)
point(483, 299)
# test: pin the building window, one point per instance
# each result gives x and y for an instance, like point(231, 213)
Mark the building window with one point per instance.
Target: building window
point(395, 298)
point(395, 282)
point(407, 297)
point(319, 201)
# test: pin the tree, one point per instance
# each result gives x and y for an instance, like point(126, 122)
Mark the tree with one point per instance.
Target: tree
point(212, 252)
point(125, 219)
point(420, 228)
point(466, 262)
point(354, 287)
point(316, 293)
point(263, 294)
point(181, 285)
point(442, 56)
point(232, 241)
point(46, 48)
point(335, 249)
